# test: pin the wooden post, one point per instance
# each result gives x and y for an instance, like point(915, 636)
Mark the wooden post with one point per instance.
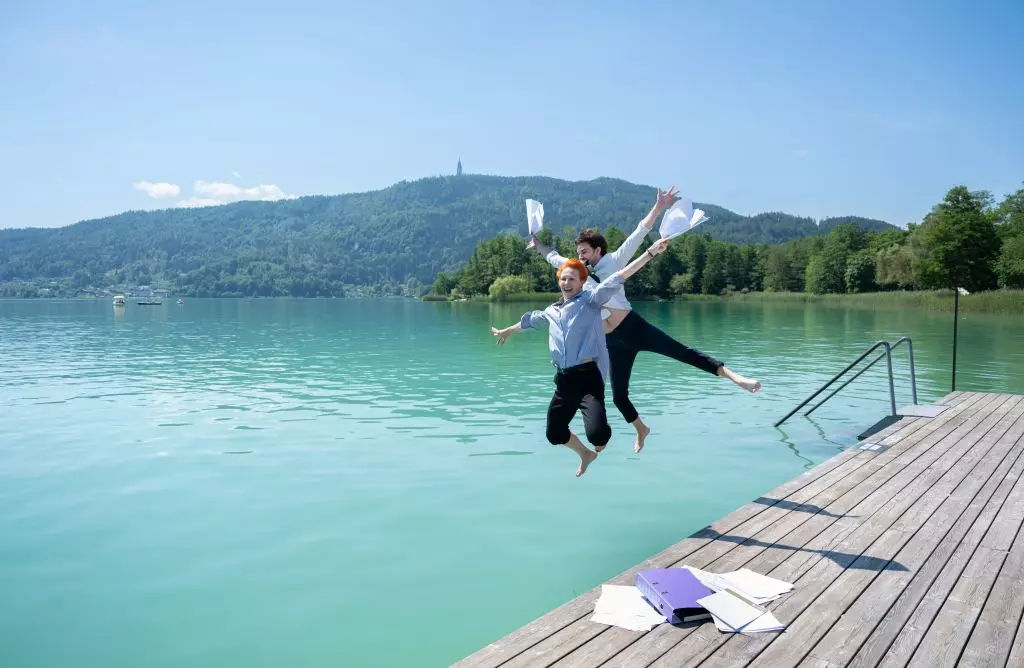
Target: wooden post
point(956, 318)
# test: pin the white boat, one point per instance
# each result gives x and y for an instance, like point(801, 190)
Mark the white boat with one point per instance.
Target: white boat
point(119, 300)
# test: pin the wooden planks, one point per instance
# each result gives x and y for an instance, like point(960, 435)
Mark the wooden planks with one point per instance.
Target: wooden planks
point(909, 556)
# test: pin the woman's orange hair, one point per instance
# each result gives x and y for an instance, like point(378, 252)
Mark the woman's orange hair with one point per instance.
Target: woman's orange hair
point(573, 263)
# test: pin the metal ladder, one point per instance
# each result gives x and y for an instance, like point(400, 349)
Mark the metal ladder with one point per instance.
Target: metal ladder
point(887, 355)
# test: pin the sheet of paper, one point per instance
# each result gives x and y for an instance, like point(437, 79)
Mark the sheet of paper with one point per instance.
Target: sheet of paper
point(534, 216)
point(712, 581)
point(730, 609)
point(681, 217)
point(625, 607)
point(765, 623)
point(755, 585)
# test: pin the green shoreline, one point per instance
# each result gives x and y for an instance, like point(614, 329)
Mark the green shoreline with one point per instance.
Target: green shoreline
point(993, 301)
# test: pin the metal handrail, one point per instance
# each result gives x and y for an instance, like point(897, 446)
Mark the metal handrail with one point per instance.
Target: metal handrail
point(913, 375)
point(888, 354)
point(888, 357)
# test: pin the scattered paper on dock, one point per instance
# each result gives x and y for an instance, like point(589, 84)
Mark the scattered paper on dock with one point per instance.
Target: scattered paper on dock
point(735, 606)
point(625, 607)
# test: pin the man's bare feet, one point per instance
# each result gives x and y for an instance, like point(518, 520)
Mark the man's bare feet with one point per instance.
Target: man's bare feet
point(642, 431)
point(585, 458)
point(748, 384)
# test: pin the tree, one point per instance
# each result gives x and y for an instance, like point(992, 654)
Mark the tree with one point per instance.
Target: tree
point(777, 270)
point(444, 284)
point(716, 269)
point(894, 268)
point(504, 286)
point(961, 243)
point(860, 271)
point(1010, 215)
point(1010, 267)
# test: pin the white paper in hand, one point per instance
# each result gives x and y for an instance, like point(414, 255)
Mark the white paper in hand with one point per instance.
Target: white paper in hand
point(681, 217)
point(534, 216)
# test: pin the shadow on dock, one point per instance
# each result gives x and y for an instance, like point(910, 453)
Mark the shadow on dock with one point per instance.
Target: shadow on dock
point(846, 560)
point(799, 507)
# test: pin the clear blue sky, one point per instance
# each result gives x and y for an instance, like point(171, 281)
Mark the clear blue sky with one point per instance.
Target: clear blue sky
point(817, 108)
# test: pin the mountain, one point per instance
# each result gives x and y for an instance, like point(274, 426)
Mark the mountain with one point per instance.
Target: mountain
point(395, 240)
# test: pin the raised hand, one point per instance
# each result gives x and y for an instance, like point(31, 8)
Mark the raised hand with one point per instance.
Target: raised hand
point(667, 199)
point(659, 246)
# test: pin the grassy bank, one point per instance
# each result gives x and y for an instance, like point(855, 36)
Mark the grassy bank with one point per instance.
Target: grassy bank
point(996, 301)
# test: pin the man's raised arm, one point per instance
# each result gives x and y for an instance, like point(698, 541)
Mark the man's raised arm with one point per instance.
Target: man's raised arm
point(623, 253)
point(552, 257)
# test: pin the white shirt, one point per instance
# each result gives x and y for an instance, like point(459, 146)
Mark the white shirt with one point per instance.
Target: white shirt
point(608, 265)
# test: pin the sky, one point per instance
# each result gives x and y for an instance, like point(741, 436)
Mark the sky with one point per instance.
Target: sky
point(817, 108)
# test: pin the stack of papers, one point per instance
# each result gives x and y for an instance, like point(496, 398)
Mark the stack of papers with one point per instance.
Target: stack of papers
point(736, 604)
point(625, 607)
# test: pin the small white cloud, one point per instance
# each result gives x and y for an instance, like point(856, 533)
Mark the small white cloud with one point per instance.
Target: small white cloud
point(212, 193)
point(228, 192)
point(158, 190)
point(236, 175)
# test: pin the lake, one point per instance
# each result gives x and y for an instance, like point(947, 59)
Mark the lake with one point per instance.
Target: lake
point(247, 483)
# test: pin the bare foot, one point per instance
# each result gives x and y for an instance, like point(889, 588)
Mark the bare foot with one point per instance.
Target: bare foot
point(748, 384)
point(585, 458)
point(641, 433)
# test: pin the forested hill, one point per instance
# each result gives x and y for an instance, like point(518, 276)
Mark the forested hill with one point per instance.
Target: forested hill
point(394, 240)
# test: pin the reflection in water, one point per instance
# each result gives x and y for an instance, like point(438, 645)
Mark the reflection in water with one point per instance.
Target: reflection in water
point(808, 464)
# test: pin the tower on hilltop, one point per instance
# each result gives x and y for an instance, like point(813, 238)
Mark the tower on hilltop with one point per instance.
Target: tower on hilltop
point(458, 168)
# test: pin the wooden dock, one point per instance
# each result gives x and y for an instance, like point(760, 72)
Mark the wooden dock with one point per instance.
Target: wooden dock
point(906, 550)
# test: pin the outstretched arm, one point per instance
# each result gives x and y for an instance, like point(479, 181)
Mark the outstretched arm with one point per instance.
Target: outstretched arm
point(623, 253)
point(529, 320)
point(604, 291)
point(502, 334)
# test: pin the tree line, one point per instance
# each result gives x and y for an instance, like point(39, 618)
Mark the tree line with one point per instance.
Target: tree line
point(967, 241)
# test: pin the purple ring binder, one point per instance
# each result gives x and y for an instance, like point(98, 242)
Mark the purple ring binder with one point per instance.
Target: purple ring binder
point(674, 592)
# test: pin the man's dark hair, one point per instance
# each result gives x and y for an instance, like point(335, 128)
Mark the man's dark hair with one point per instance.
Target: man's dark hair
point(594, 239)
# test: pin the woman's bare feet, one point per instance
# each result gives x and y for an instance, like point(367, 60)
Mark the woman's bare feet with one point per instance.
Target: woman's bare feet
point(642, 431)
point(586, 454)
point(748, 384)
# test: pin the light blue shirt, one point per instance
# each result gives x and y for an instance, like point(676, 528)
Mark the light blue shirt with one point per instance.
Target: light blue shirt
point(575, 331)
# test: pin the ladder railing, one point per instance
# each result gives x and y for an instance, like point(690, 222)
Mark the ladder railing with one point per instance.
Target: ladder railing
point(887, 355)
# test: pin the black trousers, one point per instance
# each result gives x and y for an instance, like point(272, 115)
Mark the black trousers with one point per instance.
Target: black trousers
point(578, 388)
point(633, 335)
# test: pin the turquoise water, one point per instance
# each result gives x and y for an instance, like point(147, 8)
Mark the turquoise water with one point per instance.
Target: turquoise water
point(342, 483)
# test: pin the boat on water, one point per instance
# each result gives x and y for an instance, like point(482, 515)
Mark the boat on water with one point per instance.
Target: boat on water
point(119, 300)
point(149, 302)
point(181, 301)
